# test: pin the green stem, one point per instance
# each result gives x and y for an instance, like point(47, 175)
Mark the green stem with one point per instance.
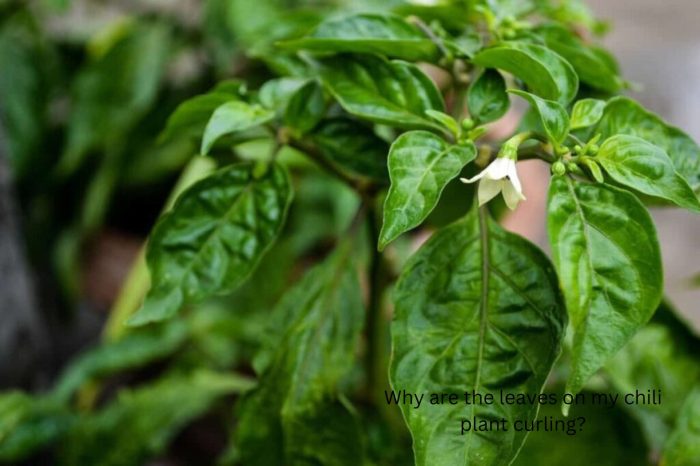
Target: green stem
point(375, 362)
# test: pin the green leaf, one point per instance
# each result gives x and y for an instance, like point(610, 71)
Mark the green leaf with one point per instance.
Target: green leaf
point(477, 309)
point(625, 116)
point(420, 166)
point(606, 252)
point(140, 423)
point(135, 349)
point(554, 118)
point(586, 112)
point(601, 435)
point(487, 99)
point(382, 34)
point(191, 117)
point(275, 93)
point(646, 168)
point(305, 108)
point(546, 73)
point(590, 67)
point(323, 314)
point(447, 121)
point(683, 446)
point(352, 146)
point(395, 93)
point(232, 117)
point(111, 94)
point(213, 237)
point(28, 424)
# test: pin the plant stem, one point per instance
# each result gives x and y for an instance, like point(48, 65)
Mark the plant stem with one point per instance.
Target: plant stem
point(375, 358)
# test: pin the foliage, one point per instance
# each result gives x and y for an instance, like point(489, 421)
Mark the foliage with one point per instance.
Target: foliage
point(340, 108)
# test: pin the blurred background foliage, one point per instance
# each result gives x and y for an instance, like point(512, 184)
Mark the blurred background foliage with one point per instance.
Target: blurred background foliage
point(87, 90)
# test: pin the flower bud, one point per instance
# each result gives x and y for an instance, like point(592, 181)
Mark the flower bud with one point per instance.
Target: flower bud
point(558, 168)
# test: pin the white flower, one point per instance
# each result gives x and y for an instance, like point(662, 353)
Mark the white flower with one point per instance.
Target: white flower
point(499, 176)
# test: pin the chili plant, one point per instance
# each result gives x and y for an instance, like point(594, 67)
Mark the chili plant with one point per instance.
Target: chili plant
point(398, 106)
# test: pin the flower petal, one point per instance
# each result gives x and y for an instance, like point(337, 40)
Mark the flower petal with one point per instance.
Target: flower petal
point(500, 168)
point(513, 176)
point(474, 178)
point(511, 195)
point(488, 189)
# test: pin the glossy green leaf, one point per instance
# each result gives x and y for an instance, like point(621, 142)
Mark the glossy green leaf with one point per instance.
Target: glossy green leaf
point(546, 73)
point(487, 99)
point(646, 168)
point(191, 117)
point(600, 435)
point(305, 108)
point(447, 121)
point(140, 423)
point(353, 146)
point(213, 238)
point(478, 309)
point(606, 252)
point(275, 93)
point(625, 116)
point(683, 445)
point(590, 67)
point(395, 93)
point(554, 118)
point(420, 166)
point(371, 33)
point(586, 112)
point(232, 117)
point(323, 315)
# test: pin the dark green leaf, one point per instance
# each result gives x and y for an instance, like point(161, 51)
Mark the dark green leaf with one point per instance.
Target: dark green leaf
point(353, 147)
point(479, 309)
point(554, 118)
point(420, 166)
point(625, 116)
point(323, 315)
point(233, 117)
point(591, 68)
point(305, 108)
point(546, 73)
point(213, 238)
point(646, 168)
point(487, 99)
point(395, 93)
point(683, 446)
point(139, 424)
point(382, 34)
point(607, 255)
point(586, 112)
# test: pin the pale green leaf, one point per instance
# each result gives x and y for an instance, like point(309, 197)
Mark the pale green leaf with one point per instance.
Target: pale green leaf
point(554, 118)
point(586, 112)
point(232, 117)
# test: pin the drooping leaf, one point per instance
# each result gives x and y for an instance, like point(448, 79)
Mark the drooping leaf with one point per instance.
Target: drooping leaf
point(683, 445)
point(395, 93)
point(305, 108)
point(646, 168)
point(213, 238)
point(487, 99)
point(586, 112)
point(420, 166)
point(554, 118)
point(232, 117)
point(606, 252)
point(625, 116)
point(477, 309)
point(371, 33)
point(140, 423)
point(546, 73)
point(323, 316)
point(191, 116)
point(353, 146)
point(598, 435)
